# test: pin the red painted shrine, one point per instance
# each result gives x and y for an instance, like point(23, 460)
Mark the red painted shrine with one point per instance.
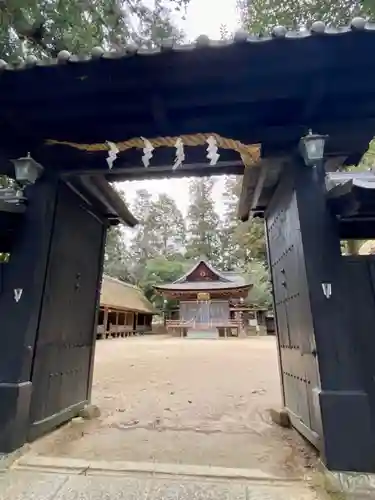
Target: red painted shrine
point(205, 296)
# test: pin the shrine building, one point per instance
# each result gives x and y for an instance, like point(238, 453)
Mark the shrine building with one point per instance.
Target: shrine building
point(206, 296)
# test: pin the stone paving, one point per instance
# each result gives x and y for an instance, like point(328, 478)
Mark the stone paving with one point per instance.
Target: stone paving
point(21, 485)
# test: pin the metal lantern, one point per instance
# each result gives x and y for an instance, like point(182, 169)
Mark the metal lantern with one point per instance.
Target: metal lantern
point(312, 148)
point(27, 170)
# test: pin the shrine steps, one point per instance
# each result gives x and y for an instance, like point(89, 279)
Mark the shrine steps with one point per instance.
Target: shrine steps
point(203, 333)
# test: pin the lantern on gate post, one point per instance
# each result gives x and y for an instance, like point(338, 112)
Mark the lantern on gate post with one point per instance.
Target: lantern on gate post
point(312, 147)
point(27, 170)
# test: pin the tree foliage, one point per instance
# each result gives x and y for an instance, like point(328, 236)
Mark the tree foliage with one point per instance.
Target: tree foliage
point(45, 27)
point(203, 221)
point(116, 256)
point(242, 242)
point(158, 271)
point(168, 226)
point(260, 294)
point(259, 16)
point(368, 160)
point(161, 231)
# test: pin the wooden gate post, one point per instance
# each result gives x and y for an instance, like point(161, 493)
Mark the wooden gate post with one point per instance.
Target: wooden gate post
point(321, 368)
point(105, 320)
point(20, 303)
point(99, 275)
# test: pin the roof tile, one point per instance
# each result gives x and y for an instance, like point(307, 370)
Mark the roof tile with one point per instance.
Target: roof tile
point(318, 28)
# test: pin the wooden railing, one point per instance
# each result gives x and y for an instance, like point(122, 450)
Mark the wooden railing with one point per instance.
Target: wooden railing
point(115, 331)
point(230, 323)
point(194, 324)
point(179, 323)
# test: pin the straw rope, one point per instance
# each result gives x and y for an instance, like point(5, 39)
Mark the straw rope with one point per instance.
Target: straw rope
point(249, 153)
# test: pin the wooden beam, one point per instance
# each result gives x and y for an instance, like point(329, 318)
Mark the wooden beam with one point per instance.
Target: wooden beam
point(159, 112)
point(130, 172)
point(254, 182)
point(203, 91)
point(12, 207)
point(101, 190)
point(334, 163)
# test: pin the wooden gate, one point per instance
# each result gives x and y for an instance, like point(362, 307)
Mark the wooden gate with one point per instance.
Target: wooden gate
point(295, 329)
point(360, 273)
point(65, 343)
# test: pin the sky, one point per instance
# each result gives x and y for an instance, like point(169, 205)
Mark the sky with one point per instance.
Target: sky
point(204, 17)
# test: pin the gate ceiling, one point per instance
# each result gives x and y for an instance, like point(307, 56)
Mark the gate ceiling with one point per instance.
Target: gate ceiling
point(256, 90)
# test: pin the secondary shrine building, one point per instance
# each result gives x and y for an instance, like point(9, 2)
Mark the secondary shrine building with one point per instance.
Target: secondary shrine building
point(207, 298)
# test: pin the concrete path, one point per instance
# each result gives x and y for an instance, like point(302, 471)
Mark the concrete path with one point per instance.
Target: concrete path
point(30, 485)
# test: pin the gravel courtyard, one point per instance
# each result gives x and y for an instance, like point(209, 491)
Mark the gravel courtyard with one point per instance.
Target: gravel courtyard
point(200, 402)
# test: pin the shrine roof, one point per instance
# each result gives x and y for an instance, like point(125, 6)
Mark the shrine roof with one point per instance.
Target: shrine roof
point(276, 34)
point(203, 261)
point(264, 91)
point(220, 280)
point(235, 276)
point(115, 293)
point(203, 286)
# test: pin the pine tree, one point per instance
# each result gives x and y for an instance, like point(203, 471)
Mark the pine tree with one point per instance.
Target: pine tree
point(203, 222)
point(229, 223)
point(142, 245)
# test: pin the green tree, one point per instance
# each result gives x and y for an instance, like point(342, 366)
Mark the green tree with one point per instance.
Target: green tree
point(368, 160)
point(259, 16)
point(261, 292)
point(116, 256)
point(5, 181)
point(202, 221)
point(241, 242)
point(43, 28)
point(243, 245)
point(142, 246)
point(158, 271)
point(168, 226)
point(117, 262)
point(229, 223)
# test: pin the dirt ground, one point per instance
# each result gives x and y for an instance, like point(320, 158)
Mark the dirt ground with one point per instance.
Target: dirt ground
point(201, 402)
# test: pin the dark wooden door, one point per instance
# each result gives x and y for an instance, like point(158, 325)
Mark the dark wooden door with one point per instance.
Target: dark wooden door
point(295, 329)
point(65, 339)
point(360, 273)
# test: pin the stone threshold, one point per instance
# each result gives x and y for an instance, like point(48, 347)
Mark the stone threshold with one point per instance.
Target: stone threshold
point(350, 485)
point(71, 466)
point(8, 459)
